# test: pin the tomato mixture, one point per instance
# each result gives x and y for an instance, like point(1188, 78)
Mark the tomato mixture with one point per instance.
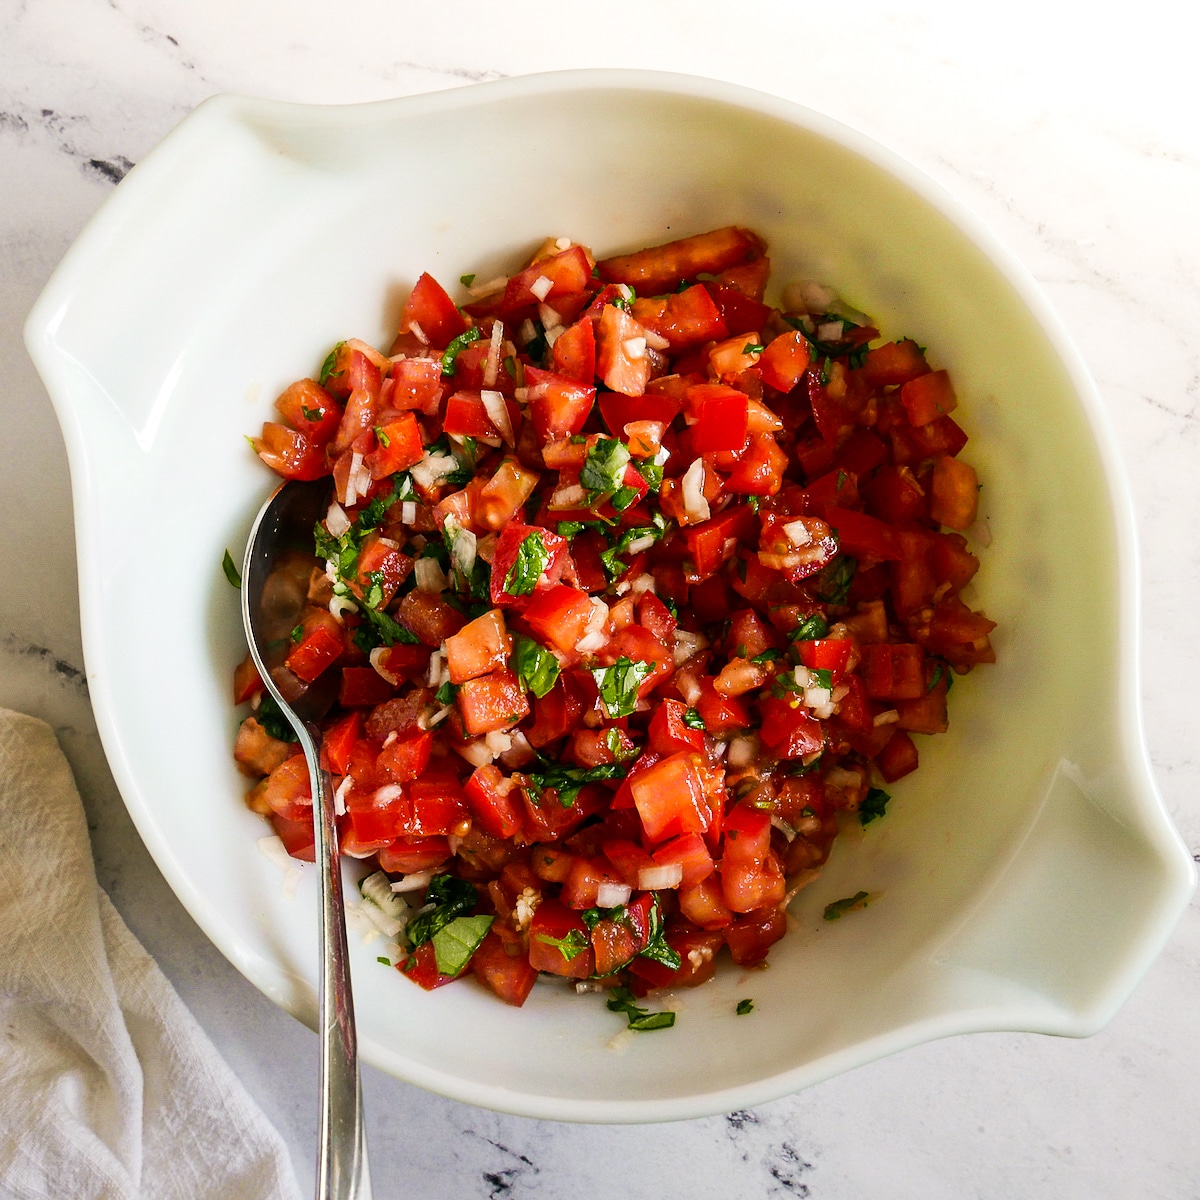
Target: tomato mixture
point(632, 587)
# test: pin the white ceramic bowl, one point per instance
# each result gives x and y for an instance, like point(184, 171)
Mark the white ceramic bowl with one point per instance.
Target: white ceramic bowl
point(1026, 875)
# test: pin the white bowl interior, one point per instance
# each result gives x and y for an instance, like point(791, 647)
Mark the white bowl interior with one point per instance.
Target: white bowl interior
point(1024, 877)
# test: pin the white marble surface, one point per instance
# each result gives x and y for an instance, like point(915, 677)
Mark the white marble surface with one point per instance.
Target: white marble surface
point(1074, 133)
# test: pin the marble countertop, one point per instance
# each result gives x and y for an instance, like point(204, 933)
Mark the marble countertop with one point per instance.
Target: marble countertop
point(1075, 137)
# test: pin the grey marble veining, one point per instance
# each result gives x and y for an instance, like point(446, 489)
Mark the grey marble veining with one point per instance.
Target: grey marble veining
point(1073, 133)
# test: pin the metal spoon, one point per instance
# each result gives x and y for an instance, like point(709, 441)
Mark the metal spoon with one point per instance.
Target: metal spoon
point(283, 531)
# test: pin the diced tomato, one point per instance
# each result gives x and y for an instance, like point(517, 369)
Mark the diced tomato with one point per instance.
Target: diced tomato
point(826, 654)
point(416, 385)
point(492, 702)
point(898, 758)
point(893, 672)
point(640, 645)
point(399, 447)
point(861, 535)
point(741, 314)
point(713, 542)
point(512, 583)
point(288, 791)
point(686, 319)
point(621, 358)
point(481, 646)
point(895, 363)
point(784, 361)
point(467, 416)
point(751, 937)
point(568, 273)
point(363, 687)
point(421, 967)
point(298, 837)
point(289, 453)
point(408, 756)
point(246, 681)
point(750, 876)
point(721, 416)
point(558, 405)
point(721, 714)
point(509, 975)
point(405, 856)
point(690, 852)
point(430, 308)
point(662, 268)
point(790, 732)
point(558, 712)
point(670, 798)
point(338, 740)
point(494, 802)
point(928, 397)
point(618, 410)
point(309, 409)
point(429, 618)
point(954, 493)
point(670, 733)
point(574, 352)
point(559, 941)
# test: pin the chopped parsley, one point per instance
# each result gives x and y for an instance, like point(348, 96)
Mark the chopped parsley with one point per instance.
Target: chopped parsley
point(327, 371)
point(642, 1020)
point(387, 962)
point(312, 414)
point(297, 634)
point(452, 898)
point(693, 720)
point(614, 564)
point(567, 781)
point(568, 529)
point(753, 348)
point(232, 573)
point(618, 685)
point(939, 673)
point(532, 559)
point(536, 668)
point(446, 694)
point(624, 298)
point(510, 366)
point(456, 347)
point(570, 947)
point(833, 912)
point(616, 745)
point(467, 280)
point(767, 656)
point(604, 468)
point(275, 724)
point(874, 805)
point(812, 627)
point(833, 583)
point(744, 1007)
point(382, 437)
point(650, 471)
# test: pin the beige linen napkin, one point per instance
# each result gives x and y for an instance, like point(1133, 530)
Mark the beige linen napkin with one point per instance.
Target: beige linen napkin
point(109, 1090)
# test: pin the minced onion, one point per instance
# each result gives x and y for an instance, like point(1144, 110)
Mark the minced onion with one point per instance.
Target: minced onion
point(664, 875)
point(609, 895)
point(694, 503)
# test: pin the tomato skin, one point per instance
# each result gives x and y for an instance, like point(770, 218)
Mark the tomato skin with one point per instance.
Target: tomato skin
point(722, 417)
point(692, 855)
point(408, 756)
point(288, 453)
point(660, 269)
point(668, 732)
point(759, 471)
point(416, 385)
point(317, 650)
point(686, 319)
point(479, 647)
point(895, 363)
point(408, 855)
point(670, 798)
point(493, 804)
point(431, 308)
point(298, 837)
point(893, 671)
point(338, 741)
point(309, 409)
point(569, 274)
point(246, 681)
point(928, 397)
point(509, 976)
point(574, 352)
point(709, 542)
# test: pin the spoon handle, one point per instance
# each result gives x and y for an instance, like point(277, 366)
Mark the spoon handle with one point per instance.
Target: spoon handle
point(341, 1161)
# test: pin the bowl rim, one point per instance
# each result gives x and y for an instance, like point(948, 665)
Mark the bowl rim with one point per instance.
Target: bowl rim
point(226, 110)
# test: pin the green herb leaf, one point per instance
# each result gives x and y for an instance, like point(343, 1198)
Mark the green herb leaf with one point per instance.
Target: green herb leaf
point(297, 634)
point(744, 1007)
point(510, 366)
point(231, 572)
point(624, 298)
point(312, 414)
point(874, 805)
point(833, 583)
point(591, 917)
point(618, 685)
point(536, 668)
point(446, 694)
point(623, 497)
point(532, 559)
point(834, 911)
point(568, 529)
point(467, 280)
point(767, 656)
point(570, 947)
point(812, 627)
point(387, 962)
point(604, 468)
point(452, 898)
point(693, 720)
point(753, 348)
point(821, 677)
point(616, 746)
point(327, 371)
point(650, 471)
point(658, 949)
point(456, 347)
point(454, 943)
point(754, 502)
point(382, 437)
point(567, 781)
point(275, 724)
point(640, 1019)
